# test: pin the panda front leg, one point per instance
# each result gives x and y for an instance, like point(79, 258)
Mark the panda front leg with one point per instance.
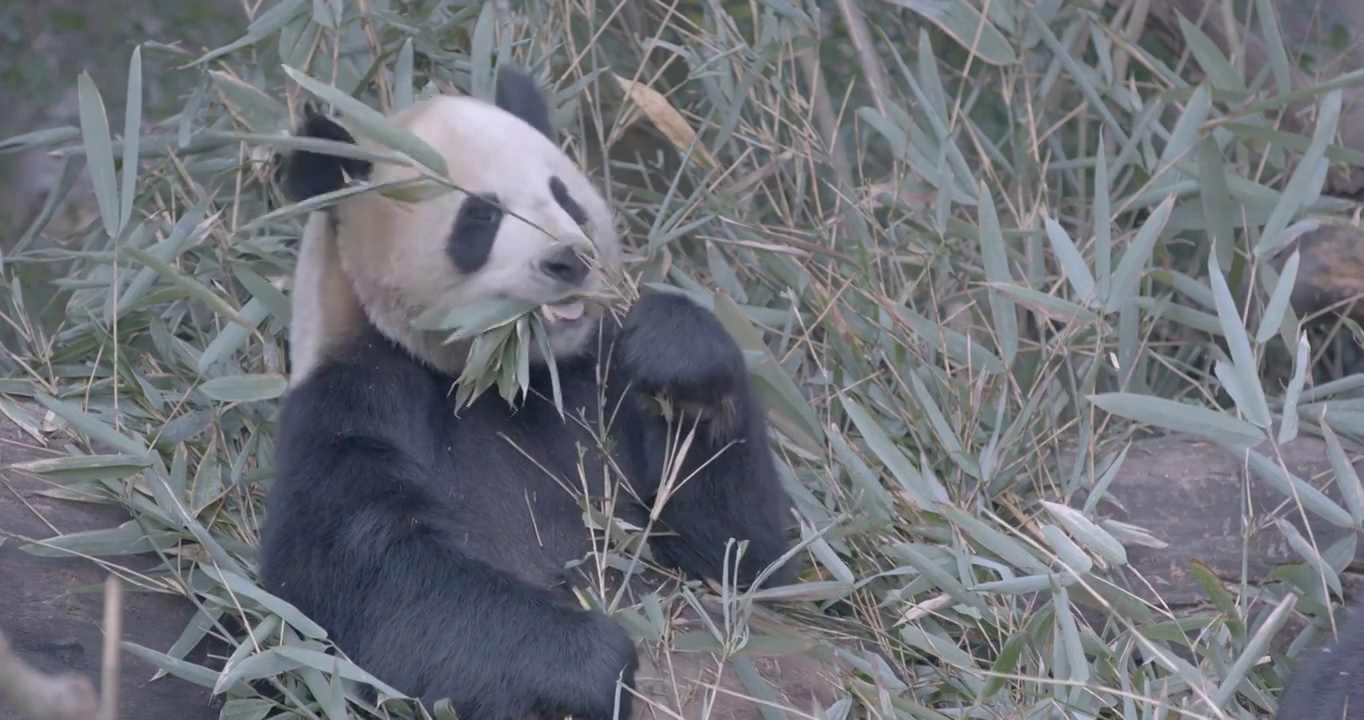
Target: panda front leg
point(680, 361)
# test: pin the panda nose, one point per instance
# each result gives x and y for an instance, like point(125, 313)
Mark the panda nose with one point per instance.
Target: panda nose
point(565, 266)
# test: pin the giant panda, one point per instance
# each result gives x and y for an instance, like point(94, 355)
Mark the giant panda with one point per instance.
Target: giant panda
point(1328, 683)
point(441, 550)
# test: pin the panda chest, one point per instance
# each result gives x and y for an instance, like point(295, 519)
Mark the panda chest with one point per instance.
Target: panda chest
point(519, 486)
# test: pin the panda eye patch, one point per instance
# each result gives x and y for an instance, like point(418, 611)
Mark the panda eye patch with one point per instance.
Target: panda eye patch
point(476, 226)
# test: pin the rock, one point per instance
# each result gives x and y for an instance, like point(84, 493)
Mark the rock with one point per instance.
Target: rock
point(52, 609)
point(1189, 493)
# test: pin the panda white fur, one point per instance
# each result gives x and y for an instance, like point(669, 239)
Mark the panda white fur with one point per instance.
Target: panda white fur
point(434, 548)
point(1329, 681)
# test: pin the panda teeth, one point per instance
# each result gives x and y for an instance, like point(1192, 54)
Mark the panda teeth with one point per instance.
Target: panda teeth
point(566, 312)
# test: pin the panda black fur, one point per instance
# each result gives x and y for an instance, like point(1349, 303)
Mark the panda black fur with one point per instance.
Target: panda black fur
point(433, 548)
point(1329, 681)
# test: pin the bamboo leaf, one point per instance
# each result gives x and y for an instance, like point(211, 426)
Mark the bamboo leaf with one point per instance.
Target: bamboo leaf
point(132, 134)
point(245, 388)
point(1250, 396)
point(1181, 417)
point(99, 152)
point(1077, 272)
point(371, 123)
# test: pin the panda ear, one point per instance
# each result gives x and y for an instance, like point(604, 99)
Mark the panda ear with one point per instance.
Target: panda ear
point(307, 174)
point(518, 94)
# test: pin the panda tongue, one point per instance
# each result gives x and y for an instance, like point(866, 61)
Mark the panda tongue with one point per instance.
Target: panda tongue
point(567, 311)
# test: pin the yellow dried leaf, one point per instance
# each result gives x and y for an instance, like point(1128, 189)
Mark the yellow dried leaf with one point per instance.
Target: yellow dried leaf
point(665, 117)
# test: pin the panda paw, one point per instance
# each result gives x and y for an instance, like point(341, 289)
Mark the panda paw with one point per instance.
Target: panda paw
point(674, 348)
point(583, 682)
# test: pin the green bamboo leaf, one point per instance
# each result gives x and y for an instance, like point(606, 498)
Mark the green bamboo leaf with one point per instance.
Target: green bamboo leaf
point(250, 100)
point(1071, 555)
point(814, 591)
point(318, 202)
point(1279, 63)
point(268, 663)
point(1288, 422)
point(1347, 480)
point(1252, 403)
point(961, 348)
point(97, 430)
point(183, 669)
point(946, 436)
point(87, 467)
point(372, 123)
point(233, 336)
point(995, 255)
point(1254, 650)
point(1106, 478)
point(790, 12)
point(287, 143)
point(403, 77)
point(939, 577)
point(1291, 141)
point(765, 699)
point(189, 284)
point(326, 15)
point(245, 388)
point(788, 399)
point(1225, 603)
point(920, 492)
point(1025, 585)
point(1216, 199)
point(266, 24)
point(38, 139)
point(1103, 224)
point(466, 321)
point(245, 652)
point(99, 152)
point(193, 634)
point(1072, 263)
point(1304, 548)
point(1181, 417)
point(1272, 320)
point(1007, 548)
point(1087, 533)
point(829, 560)
point(482, 82)
point(1185, 135)
point(1296, 489)
point(1210, 58)
point(1067, 635)
point(1057, 309)
point(132, 134)
point(130, 538)
point(345, 668)
point(1304, 187)
point(244, 588)
point(186, 233)
point(876, 500)
point(1006, 664)
point(965, 24)
point(1128, 275)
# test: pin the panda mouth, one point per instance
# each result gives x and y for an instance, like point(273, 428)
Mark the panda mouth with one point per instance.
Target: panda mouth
point(562, 313)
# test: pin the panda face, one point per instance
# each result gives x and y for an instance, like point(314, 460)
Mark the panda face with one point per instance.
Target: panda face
point(526, 224)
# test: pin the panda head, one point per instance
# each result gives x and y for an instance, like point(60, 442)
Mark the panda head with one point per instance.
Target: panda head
point(525, 224)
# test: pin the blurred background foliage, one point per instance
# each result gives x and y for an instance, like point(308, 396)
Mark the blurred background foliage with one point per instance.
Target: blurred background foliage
point(974, 250)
